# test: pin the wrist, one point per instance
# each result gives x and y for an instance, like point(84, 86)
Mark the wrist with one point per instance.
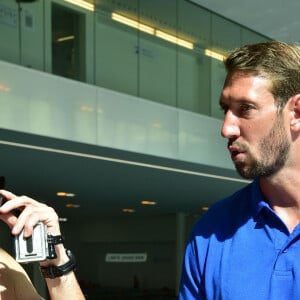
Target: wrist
point(61, 257)
point(53, 271)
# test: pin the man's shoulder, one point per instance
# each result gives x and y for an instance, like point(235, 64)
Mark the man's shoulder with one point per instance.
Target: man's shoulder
point(236, 203)
point(227, 214)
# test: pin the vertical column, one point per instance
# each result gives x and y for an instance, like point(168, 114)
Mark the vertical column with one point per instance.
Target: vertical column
point(180, 246)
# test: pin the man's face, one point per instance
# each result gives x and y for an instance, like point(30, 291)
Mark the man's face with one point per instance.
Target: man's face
point(256, 133)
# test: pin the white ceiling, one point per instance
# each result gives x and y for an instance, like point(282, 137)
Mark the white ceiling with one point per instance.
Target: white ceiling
point(277, 19)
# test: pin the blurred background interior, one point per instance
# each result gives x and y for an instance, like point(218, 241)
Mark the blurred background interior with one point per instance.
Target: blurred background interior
point(109, 113)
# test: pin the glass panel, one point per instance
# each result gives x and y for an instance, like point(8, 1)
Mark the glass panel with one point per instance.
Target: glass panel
point(68, 43)
point(157, 54)
point(116, 43)
point(32, 33)
point(226, 35)
point(9, 31)
point(194, 23)
point(157, 72)
point(248, 37)
point(116, 56)
point(217, 80)
point(193, 88)
point(133, 58)
point(193, 67)
point(139, 54)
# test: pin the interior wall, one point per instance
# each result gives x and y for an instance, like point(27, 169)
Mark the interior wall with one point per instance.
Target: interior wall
point(153, 235)
point(90, 241)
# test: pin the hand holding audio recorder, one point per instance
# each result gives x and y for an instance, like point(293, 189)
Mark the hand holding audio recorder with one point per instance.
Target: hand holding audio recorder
point(39, 245)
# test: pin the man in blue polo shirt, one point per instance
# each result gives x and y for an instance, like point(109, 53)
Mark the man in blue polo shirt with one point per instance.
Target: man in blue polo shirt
point(247, 246)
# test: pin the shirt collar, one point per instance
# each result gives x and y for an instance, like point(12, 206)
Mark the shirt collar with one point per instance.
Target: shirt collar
point(258, 200)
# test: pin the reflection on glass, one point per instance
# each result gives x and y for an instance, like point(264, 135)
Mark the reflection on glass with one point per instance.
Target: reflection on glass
point(67, 43)
point(83, 4)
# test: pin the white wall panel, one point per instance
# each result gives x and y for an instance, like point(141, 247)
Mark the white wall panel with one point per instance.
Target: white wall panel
point(200, 140)
point(138, 125)
point(39, 103)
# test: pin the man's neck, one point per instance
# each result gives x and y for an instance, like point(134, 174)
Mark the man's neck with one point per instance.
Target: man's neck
point(282, 194)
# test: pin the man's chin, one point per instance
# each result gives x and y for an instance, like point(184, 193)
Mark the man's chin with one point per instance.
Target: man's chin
point(245, 172)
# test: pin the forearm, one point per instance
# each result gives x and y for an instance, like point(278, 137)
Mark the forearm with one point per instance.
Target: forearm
point(59, 272)
point(65, 286)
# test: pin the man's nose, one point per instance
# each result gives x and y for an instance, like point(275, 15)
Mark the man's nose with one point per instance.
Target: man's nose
point(230, 128)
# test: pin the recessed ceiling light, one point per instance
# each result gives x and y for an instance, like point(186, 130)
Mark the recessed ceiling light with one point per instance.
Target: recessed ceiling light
point(146, 202)
point(72, 205)
point(65, 194)
point(83, 4)
point(156, 125)
point(65, 38)
point(128, 210)
point(204, 208)
point(87, 108)
point(63, 220)
point(4, 88)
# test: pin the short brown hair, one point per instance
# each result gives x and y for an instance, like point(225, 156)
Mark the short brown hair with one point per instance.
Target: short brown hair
point(276, 61)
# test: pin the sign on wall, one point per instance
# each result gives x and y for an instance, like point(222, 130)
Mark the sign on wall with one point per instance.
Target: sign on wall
point(126, 257)
point(8, 16)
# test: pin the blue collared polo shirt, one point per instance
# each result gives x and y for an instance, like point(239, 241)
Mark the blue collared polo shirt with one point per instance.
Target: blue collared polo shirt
point(241, 250)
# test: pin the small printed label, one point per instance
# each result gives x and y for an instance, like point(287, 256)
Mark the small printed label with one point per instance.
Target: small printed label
point(8, 16)
point(126, 257)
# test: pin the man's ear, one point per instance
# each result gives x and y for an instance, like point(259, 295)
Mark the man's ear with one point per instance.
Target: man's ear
point(295, 112)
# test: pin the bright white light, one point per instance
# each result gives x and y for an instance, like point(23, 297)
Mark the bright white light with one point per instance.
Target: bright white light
point(145, 28)
point(82, 3)
point(214, 54)
point(132, 23)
